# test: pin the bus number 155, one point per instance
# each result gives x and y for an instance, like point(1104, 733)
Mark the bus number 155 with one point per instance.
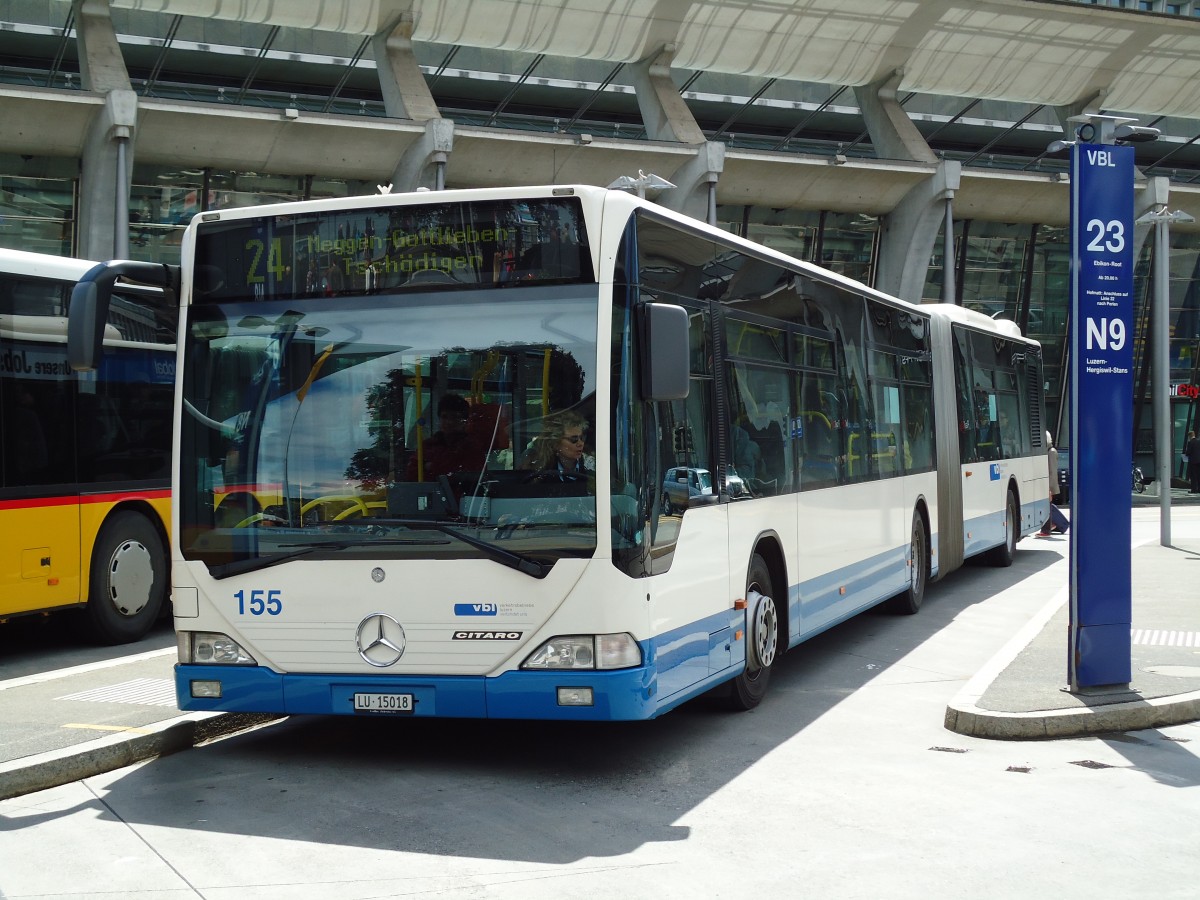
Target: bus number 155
point(261, 601)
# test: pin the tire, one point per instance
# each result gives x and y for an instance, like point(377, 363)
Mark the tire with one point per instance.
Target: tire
point(909, 601)
point(1002, 556)
point(128, 581)
point(747, 690)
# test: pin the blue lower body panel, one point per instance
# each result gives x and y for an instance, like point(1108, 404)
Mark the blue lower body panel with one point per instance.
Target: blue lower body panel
point(621, 694)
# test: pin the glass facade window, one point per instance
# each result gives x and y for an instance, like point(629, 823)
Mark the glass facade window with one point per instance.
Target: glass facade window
point(843, 242)
point(791, 231)
point(37, 214)
point(163, 201)
point(848, 245)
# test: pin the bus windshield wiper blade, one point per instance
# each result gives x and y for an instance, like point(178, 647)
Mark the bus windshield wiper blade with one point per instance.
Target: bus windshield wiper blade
point(505, 557)
point(254, 564)
point(361, 542)
point(499, 554)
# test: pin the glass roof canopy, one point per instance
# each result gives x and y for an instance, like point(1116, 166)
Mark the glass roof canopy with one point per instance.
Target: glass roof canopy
point(981, 88)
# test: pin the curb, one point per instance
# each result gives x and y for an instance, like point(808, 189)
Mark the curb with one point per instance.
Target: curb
point(1134, 715)
point(964, 715)
point(59, 767)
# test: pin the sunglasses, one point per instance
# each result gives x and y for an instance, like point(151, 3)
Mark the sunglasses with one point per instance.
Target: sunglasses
point(573, 438)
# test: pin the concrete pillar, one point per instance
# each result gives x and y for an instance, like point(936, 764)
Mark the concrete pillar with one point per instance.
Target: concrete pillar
point(102, 220)
point(423, 163)
point(694, 181)
point(910, 230)
point(101, 66)
point(893, 133)
point(406, 95)
point(666, 116)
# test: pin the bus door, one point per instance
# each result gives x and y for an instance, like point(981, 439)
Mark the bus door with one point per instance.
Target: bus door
point(983, 472)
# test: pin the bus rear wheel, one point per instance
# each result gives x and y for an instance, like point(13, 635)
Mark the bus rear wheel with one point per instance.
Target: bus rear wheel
point(747, 690)
point(908, 602)
point(128, 581)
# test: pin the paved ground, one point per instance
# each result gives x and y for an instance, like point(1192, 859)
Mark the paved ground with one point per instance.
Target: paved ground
point(1023, 692)
point(74, 723)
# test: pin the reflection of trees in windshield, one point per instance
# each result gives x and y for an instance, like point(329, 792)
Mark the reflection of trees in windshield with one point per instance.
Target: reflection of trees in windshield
point(374, 465)
point(564, 381)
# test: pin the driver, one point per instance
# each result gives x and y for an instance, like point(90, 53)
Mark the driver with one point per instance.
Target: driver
point(558, 451)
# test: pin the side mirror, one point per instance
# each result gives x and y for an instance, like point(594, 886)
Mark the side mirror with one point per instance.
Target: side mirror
point(85, 325)
point(90, 299)
point(665, 352)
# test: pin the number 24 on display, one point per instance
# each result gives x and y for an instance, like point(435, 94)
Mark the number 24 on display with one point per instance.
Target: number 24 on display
point(269, 602)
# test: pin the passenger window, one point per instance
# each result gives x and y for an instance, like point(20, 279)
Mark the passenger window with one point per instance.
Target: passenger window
point(760, 448)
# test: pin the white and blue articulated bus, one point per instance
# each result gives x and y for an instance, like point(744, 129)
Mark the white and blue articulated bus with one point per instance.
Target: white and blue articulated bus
point(559, 453)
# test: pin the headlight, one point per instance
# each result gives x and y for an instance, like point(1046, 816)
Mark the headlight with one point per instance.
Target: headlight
point(208, 648)
point(586, 651)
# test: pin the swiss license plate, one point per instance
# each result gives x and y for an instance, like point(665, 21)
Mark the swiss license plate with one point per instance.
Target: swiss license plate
point(383, 703)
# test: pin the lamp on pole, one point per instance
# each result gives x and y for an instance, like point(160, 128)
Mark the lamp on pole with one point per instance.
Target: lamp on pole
point(641, 183)
point(1160, 386)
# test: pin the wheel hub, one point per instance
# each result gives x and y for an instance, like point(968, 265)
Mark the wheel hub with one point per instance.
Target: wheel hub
point(763, 628)
point(130, 578)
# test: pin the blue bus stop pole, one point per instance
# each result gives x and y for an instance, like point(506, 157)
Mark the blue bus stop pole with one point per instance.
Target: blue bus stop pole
point(1101, 397)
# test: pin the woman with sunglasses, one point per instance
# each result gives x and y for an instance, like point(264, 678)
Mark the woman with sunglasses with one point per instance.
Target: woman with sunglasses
point(558, 451)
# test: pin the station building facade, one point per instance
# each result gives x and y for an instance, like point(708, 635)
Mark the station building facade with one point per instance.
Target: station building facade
point(847, 134)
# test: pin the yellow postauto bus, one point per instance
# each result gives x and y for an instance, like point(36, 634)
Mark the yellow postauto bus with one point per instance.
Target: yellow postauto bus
point(85, 458)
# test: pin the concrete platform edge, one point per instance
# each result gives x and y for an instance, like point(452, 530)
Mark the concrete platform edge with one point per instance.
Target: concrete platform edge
point(58, 767)
point(964, 715)
point(1045, 724)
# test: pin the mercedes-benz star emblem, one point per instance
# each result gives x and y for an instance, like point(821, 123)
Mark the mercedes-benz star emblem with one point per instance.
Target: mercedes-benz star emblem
point(380, 640)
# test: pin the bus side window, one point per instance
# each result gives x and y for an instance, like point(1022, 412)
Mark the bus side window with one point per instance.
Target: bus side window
point(24, 438)
point(761, 396)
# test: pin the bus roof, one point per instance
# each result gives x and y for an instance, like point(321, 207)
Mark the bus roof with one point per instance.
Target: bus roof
point(43, 265)
point(976, 319)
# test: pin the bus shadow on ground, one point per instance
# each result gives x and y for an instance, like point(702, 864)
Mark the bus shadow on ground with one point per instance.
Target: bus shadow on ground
point(538, 792)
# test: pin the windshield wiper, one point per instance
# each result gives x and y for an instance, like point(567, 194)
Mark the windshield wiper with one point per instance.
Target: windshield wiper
point(505, 557)
point(360, 542)
point(513, 560)
point(242, 566)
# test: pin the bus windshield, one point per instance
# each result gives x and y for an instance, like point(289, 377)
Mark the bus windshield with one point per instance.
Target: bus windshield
point(409, 424)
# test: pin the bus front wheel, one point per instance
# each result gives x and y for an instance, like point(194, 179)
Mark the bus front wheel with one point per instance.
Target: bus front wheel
point(128, 581)
point(747, 690)
point(1002, 556)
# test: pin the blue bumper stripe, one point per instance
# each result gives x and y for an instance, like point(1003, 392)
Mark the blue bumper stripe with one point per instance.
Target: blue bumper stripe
point(621, 694)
